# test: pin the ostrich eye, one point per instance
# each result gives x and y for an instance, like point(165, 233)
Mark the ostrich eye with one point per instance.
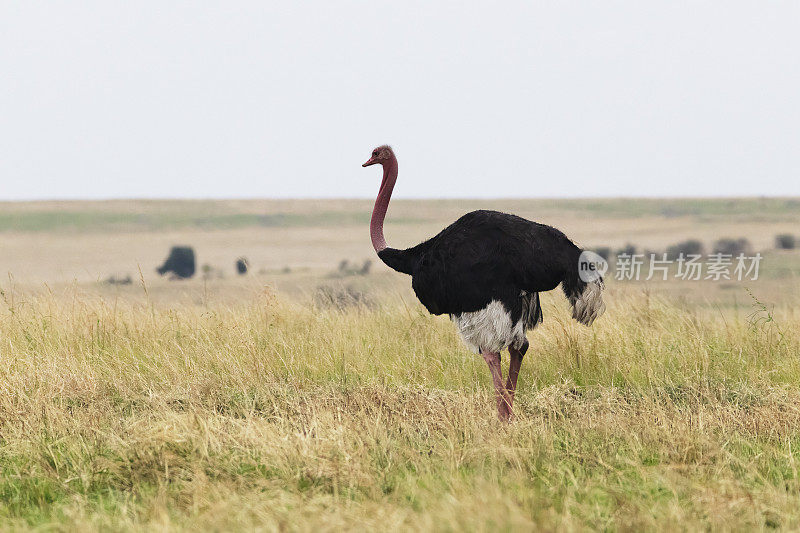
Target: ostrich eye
point(374, 152)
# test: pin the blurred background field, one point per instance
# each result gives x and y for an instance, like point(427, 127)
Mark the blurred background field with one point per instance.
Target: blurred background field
point(296, 245)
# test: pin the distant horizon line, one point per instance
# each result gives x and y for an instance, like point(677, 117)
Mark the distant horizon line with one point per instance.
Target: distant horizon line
point(398, 198)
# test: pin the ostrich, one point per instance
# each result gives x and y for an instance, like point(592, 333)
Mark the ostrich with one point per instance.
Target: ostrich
point(486, 271)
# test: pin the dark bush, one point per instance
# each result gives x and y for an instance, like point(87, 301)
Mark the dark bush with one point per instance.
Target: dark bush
point(628, 249)
point(180, 262)
point(346, 268)
point(241, 266)
point(119, 280)
point(603, 251)
point(733, 246)
point(688, 247)
point(784, 241)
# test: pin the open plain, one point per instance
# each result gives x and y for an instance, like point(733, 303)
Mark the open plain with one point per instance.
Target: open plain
point(307, 396)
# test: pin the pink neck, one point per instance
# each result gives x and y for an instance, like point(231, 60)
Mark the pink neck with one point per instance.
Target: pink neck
point(382, 204)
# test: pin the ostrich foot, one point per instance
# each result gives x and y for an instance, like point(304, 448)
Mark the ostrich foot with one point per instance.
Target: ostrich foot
point(504, 412)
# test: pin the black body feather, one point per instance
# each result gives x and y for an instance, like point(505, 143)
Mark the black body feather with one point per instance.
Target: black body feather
point(485, 256)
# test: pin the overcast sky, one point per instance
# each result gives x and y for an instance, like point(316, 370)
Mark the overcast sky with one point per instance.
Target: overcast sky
point(513, 99)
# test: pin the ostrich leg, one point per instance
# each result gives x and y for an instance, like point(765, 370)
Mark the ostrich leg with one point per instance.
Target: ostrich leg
point(503, 399)
point(513, 372)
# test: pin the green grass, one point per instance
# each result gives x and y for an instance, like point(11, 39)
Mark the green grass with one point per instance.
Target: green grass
point(77, 222)
point(742, 209)
point(101, 221)
point(163, 215)
point(269, 414)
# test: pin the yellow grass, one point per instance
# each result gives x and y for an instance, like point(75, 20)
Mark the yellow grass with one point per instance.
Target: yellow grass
point(248, 404)
point(126, 413)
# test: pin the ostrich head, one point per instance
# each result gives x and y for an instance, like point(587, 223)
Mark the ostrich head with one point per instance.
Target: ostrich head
point(381, 154)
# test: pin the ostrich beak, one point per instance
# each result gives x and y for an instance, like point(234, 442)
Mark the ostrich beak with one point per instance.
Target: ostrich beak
point(370, 161)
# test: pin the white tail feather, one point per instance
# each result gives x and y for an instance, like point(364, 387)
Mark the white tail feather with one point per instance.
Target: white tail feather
point(589, 305)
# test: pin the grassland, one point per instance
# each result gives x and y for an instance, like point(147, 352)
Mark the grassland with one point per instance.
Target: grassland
point(125, 414)
point(228, 404)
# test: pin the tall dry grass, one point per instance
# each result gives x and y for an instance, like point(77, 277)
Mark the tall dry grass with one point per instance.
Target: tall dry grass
point(269, 414)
